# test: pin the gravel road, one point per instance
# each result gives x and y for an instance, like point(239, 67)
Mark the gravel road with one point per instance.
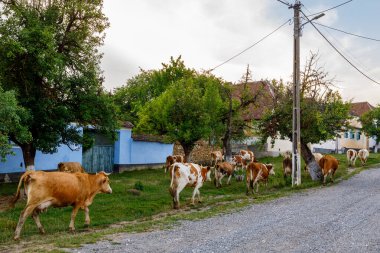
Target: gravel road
point(342, 218)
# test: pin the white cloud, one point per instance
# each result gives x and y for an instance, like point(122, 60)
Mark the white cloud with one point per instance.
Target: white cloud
point(145, 33)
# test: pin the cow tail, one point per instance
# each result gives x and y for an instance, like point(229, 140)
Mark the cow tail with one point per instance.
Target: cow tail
point(17, 196)
point(173, 173)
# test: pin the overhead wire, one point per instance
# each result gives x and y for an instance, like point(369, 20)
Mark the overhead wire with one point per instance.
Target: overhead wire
point(332, 28)
point(330, 8)
point(344, 57)
point(257, 42)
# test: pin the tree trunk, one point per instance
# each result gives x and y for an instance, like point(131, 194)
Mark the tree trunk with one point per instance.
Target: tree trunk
point(187, 149)
point(29, 153)
point(227, 135)
point(314, 169)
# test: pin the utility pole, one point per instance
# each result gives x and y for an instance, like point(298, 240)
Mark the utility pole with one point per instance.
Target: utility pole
point(296, 134)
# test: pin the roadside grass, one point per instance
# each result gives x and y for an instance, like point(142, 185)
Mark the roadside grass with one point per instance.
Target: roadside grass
point(123, 211)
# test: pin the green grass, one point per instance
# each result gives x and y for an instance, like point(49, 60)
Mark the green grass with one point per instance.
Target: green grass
point(122, 211)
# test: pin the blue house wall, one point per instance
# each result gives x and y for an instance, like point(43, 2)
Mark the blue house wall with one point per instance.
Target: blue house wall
point(128, 154)
point(15, 163)
point(134, 154)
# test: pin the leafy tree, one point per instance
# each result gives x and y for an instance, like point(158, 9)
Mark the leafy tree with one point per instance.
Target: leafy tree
point(371, 123)
point(49, 56)
point(146, 86)
point(323, 113)
point(11, 122)
point(186, 111)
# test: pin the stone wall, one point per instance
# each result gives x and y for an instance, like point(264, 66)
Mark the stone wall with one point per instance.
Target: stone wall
point(200, 154)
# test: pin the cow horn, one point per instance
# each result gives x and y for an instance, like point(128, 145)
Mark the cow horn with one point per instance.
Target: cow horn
point(107, 174)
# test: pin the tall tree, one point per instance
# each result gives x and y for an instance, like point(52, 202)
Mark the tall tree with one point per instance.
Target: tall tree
point(12, 117)
point(186, 112)
point(147, 85)
point(49, 55)
point(371, 123)
point(323, 113)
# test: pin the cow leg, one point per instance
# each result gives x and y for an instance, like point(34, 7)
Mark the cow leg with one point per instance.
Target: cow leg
point(87, 216)
point(229, 179)
point(36, 218)
point(196, 191)
point(73, 215)
point(181, 185)
point(199, 196)
point(23, 216)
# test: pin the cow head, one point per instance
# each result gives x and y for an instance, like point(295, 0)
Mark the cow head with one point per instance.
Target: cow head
point(104, 182)
point(270, 168)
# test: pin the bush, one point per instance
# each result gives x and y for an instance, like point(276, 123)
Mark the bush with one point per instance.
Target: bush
point(139, 186)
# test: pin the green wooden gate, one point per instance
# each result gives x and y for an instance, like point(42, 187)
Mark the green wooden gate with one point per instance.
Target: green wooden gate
point(98, 158)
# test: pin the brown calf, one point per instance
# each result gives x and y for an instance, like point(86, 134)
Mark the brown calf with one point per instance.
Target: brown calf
point(247, 155)
point(329, 165)
point(287, 166)
point(59, 189)
point(222, 169)
point(257, 172)
point(70, 167)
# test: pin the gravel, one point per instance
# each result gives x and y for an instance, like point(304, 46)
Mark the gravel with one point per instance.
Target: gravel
point(342, 218)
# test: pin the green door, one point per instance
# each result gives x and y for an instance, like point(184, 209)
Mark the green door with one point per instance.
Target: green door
point(98, 158)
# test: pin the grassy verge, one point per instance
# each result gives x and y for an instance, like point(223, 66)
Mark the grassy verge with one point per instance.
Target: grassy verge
point(124, 212)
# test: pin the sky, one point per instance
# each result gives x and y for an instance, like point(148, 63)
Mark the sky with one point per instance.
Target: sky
point(146, 33)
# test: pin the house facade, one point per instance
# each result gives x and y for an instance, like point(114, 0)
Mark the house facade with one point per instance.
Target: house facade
point(128, 152)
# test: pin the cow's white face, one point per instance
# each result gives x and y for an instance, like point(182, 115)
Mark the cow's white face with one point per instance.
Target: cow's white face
point(270, 167)
point(104, 183)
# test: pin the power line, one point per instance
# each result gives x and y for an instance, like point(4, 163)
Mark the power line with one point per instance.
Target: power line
point(286, 3)
point(364, 37)
point(361, 72)
point(236, 55)
point(329, 8)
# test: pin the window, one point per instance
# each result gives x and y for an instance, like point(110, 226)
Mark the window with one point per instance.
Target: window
point(358, 135)
point(352, 135)
point(346, 135)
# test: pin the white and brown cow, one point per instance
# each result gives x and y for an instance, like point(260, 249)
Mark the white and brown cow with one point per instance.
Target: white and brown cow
point(173, 159)
point(239, 162)
point(329, 165)
point(247, 155)
point(352, 155)
point(70, 167)
point(191, 175)
point(59, 189)
point(222, 169)
point(363, 155)
point(258, 172)
point(216, 156)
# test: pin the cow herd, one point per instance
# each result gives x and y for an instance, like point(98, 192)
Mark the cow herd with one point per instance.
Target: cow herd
point(71, 186)
point(184, 174)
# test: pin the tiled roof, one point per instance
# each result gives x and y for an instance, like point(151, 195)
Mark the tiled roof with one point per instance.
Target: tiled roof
point(127, 125)
point(358, 109)
point(149, 138)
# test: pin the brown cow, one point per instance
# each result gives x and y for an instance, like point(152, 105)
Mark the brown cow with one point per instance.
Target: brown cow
point(257, 172)
point(70, 167)
point(239, 161)
point(222, 169)
point(329, 165)
point(173, 159)
point(287, 166)
point(59, 189)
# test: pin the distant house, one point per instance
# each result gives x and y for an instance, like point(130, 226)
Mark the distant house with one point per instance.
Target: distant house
point(352, 138)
